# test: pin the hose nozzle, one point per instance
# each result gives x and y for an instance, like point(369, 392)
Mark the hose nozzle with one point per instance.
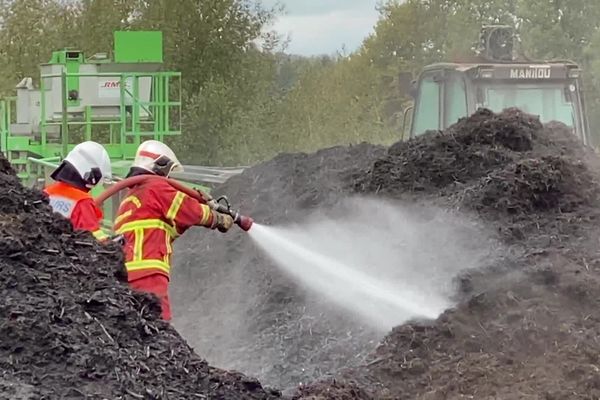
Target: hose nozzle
point(245, 223)
point(222, 206)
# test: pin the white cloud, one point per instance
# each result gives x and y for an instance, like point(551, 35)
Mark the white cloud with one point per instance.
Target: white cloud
point(315, 7)
point(326, 31)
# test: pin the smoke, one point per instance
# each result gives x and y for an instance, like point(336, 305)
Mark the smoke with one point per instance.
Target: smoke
point(381, 262)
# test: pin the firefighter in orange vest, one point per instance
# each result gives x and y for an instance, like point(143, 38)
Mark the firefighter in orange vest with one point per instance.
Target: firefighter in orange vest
point(152, 215)
point(83, 168)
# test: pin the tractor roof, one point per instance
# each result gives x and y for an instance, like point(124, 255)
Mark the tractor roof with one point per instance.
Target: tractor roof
point(468, 65)
point(513, 70)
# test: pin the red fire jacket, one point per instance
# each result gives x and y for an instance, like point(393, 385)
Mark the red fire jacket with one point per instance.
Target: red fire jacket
point(76, 205)
point(150, 218)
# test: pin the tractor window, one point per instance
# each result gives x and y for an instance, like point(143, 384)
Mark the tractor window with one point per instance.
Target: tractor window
point(456, 99)
point(427, 110)
point(548, 101)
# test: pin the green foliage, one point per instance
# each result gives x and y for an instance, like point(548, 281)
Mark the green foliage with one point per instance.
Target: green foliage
point(566, 29)
point(246, 102)
point(29, 32)
point(204, 39)
point(336, 102)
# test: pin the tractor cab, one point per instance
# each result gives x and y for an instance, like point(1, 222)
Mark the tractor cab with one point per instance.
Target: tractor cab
point(446, 92)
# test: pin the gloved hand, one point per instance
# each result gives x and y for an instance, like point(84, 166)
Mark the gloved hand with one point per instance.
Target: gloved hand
point(212, 203)
point(223, 222)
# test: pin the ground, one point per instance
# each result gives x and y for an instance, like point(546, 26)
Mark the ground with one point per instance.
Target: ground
point(524, 327)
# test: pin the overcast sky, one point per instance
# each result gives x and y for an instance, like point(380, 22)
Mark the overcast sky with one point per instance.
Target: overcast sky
point(324, 26)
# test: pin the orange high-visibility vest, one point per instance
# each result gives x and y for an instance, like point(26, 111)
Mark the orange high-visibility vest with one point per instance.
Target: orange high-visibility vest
point(76, 205)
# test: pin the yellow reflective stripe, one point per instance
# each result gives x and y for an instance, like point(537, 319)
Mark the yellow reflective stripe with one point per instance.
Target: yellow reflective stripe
point(206, 213)
point(169, 249)
point(138, 243)
point(175, 206)
point(148, 264)
point(123, 216)
point(148, 224)
point(99, 234)
point(132, 199)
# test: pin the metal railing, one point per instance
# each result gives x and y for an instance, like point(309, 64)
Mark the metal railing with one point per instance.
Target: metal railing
point(129, 123)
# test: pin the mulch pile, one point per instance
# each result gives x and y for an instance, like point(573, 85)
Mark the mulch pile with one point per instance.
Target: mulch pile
point(526, 327)
point(70, 328)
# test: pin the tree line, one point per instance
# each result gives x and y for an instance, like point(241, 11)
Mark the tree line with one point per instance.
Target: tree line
point(245, 100)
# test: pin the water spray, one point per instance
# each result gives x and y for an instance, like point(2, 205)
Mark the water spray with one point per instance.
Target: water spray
point(374, 298)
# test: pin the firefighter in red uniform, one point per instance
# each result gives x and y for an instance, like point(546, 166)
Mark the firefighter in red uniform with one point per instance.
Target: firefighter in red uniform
point(152, 215)
point(83, 168)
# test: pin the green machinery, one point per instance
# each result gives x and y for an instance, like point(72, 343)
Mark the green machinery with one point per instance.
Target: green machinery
point(117, 102)
point(496, 79)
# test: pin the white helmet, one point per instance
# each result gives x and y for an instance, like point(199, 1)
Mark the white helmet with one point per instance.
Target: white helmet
point(91, 161)
point(157, 157)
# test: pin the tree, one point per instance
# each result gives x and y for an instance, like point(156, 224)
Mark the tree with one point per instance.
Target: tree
point(204, 39)
point(244, 101)
point(558, 28)
point(97, 20)
point(29, 33)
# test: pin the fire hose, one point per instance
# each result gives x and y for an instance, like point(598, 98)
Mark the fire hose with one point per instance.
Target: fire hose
point(220, 205)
